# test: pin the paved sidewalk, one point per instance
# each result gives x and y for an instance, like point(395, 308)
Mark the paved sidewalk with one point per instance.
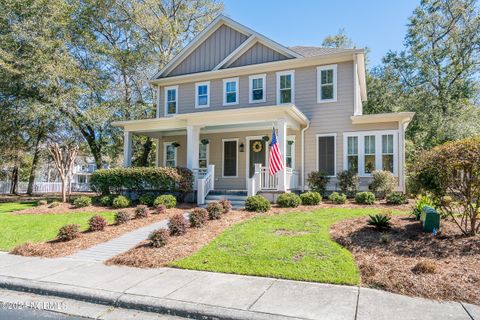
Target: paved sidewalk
point(206, 295)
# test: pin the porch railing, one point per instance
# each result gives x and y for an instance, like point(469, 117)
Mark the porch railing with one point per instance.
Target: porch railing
point(205, 182)
point(263, 181)
point(43, 187)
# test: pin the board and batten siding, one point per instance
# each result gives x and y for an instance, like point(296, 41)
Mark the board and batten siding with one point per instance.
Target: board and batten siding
point(258, 54)
point(211, 52)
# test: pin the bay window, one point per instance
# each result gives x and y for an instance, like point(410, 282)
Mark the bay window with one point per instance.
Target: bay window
point(352, 154)
point(369, 143)
point(387, 152)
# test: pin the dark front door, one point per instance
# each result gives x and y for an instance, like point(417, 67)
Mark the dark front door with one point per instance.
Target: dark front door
point(257, 154)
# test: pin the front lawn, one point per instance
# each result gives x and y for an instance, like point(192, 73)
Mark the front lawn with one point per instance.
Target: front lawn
point(15, 206)
point(18, 229)
point(291, 246)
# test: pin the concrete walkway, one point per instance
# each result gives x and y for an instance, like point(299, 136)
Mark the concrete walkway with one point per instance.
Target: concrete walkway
point(206, 295)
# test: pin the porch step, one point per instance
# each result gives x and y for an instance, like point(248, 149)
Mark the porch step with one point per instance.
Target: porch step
point(237, 198)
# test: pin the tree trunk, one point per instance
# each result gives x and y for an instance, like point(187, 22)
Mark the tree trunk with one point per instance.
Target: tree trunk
point(14, 185)
point(147, 148)
point(33, 171)
point(64, 190)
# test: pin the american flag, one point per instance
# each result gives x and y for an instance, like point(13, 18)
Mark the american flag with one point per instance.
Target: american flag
point(275, 162)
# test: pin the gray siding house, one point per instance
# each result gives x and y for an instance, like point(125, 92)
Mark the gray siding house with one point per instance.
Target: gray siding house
point(219, 98)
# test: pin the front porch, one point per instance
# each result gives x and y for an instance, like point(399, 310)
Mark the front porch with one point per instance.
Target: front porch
point(227, 150)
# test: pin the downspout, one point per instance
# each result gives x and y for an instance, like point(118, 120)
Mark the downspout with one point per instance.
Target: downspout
point(303, 155)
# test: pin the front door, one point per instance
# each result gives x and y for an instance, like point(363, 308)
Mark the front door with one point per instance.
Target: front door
point(257, 153)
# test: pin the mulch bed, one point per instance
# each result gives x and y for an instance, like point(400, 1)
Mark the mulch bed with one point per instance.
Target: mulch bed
point(178, 247)
point(411, 262)
point(61, 208)
point(88, 239)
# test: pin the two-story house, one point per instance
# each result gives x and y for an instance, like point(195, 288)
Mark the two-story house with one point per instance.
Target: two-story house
point(219, 98)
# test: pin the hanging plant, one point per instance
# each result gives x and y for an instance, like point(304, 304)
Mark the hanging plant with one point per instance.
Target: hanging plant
point(266, 138)
point(205, 141)
point(290, 142)
point(175, 144)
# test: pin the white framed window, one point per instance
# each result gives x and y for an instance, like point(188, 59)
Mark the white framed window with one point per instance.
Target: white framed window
point(169, 155)
point(327, 83)
point(286, 87)
point(371, 150)
point(230, 158)
point(257, 88)
point(290, 152)
point(230, 91)
point(203, 155)
point(171, 100)
point(327, 153)
point(202, 94)
point(352, 154)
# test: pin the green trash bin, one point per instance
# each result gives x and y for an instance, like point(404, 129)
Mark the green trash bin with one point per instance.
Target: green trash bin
point(430, 219)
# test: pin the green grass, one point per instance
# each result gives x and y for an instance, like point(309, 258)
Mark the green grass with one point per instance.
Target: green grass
point(15, 206)
point(291, 246)
point(18, 229)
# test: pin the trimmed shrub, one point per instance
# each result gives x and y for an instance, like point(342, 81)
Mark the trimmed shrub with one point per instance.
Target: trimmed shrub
point(147, 199)
point(106, 201)
point(82, 202)
point(97, 223)
point(317, 181)
point(177, 225)
point(167, 200)
point(348, 182)
point(141, 211)
point(337, 198)
point(42, 202)
point(288, 200)
point(122, 217)
point(160, 209)
point(383, 183)
point(54, 204)
point(365, 198)
point(121, 202)
point(158, 238)
point(198, 217)
point(226, 204)
point(396, 198)
point(215, 210)
point(108, 181)
point(380, 221)
point(257, 204)
point(68, 232)
point(311, 198)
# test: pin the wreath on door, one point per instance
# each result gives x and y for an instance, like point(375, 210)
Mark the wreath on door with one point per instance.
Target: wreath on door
point(257, 146)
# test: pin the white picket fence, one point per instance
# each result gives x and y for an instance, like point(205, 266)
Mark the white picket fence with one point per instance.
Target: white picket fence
point(43, 187)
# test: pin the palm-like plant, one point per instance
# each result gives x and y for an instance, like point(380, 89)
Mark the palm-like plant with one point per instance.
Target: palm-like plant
point(379, 221)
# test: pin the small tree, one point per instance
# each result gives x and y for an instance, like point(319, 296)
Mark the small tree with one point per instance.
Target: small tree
point(317, 181)
point(348, 182)
point(64, 159)
point(451, 172)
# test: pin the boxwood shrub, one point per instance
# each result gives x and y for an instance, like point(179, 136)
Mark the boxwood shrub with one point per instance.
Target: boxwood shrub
point(365, 198)
point(167, 200)
point(311, 198)
point(121, 202)
point(396, 198)
point(106, 201)
point(337, 198)
point(108, 181)
point(82, 201)
point(288, 200)
point(257, 203)
point(147, 199)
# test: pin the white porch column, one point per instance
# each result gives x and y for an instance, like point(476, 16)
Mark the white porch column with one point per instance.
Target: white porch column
point(282, 144)
point(401, 157)
point(127, 149)
point(193, 142)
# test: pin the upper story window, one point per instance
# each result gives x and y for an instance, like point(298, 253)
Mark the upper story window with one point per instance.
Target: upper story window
point(202, 94)
point(327, 83)
point(285, 87)
point(171, 98)
point(257, 91)
point(230, 91)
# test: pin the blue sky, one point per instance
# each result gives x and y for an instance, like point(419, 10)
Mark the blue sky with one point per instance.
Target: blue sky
point(379, 25)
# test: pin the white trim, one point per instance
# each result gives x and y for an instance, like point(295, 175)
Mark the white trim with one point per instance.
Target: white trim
point(250, 87)
point(158, 100)
point(334, 135)
point(378, 150)
point(292, 85)
point(223, 157)
point(319, 83)
point(247, 154)
point(291, 138)
point(165, 144)
point(241, 49)
point(237, 91)
point(165, 91)
point(198, 84)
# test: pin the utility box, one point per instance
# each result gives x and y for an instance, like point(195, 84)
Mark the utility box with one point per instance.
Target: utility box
point(430, 219)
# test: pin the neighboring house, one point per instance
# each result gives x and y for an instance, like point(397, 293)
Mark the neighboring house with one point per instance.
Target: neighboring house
point(225, 90)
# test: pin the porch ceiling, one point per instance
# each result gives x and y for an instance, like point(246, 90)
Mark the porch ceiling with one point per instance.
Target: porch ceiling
point(218, 121)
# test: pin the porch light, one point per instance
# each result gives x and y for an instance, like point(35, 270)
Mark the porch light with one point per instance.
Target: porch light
point(290, 142)
point(266, 138)
point(242, 147)
point(175, 144)
point(205, 141)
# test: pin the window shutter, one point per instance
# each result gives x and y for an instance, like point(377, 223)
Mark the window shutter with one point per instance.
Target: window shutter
point(326, 155)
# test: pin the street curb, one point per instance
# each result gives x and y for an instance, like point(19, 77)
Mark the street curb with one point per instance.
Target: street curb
point(137, 302)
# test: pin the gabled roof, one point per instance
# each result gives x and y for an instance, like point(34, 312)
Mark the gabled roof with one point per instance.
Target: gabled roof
point(319, 51)
point(253, 37)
